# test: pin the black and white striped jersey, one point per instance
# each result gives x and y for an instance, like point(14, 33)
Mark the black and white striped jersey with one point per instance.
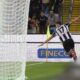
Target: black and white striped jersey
point(63, 32)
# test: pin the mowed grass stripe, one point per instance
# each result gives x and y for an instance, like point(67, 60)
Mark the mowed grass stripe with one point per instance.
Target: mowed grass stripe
point(46, 71)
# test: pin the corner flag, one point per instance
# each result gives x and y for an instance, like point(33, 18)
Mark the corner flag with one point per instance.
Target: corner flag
point(48, 32)
point(48, 35)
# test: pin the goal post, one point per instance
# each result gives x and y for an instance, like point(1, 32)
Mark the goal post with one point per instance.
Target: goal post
point(13, 32)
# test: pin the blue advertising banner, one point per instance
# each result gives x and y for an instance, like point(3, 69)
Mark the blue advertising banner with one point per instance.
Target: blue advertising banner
point(52, 53)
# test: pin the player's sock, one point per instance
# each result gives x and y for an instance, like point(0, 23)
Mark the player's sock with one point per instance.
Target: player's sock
point(75, 58)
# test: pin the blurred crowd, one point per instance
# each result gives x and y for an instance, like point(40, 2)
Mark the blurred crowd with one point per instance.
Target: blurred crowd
point(43, 13)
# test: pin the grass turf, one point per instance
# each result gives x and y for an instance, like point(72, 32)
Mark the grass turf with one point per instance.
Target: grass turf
point(44, 71)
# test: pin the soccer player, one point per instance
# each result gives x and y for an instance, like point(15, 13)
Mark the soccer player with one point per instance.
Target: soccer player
point(62, 30)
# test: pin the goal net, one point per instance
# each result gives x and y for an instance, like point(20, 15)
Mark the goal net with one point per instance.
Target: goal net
point(13, 31)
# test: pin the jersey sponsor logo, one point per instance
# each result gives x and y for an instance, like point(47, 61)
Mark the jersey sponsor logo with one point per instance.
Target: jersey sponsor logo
point(52, 53)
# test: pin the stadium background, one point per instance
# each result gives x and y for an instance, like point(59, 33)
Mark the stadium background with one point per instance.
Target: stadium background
point(65, 12)
point(53, 71)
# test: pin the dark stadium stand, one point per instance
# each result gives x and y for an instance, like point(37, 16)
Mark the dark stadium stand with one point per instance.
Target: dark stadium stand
point(76, 12)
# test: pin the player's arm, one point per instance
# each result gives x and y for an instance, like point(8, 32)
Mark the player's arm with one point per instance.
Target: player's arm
point(74, 20)
point(47, 40)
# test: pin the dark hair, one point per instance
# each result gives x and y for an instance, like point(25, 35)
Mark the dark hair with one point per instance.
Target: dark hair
point(58, 22)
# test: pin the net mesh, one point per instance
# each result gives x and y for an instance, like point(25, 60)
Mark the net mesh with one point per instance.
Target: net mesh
point(10, 70)
point(13, 16)
point(13, 29)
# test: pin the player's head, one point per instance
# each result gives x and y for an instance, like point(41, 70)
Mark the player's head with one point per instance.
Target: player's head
point(58, 23)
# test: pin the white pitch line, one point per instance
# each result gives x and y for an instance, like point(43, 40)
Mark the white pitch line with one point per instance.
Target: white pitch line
point(34, 64)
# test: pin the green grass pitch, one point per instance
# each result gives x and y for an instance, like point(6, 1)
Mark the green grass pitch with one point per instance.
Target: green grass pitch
point(44, 71)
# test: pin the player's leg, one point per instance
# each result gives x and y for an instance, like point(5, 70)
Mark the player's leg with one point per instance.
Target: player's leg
point(72, 53)
point(70, 48)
